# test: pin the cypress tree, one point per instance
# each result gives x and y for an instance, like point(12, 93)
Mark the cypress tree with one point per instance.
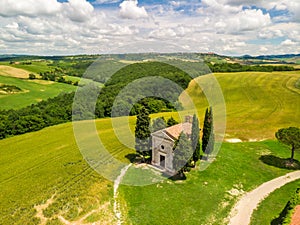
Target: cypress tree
point(208, 138)
point(195, 138)
point(171, 122)
point(142, 133)
point(182, 154)
point(158, 124)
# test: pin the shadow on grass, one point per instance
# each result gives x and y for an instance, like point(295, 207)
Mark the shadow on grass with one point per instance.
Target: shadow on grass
point(286, 211)
point(178, 177)
point(280, 162)
point(131, 157)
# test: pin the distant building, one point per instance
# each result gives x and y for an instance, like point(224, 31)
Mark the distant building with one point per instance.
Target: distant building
point(163, 142)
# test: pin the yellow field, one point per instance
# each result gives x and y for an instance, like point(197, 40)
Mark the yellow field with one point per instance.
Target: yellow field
point(257, 103)
point(13, 72)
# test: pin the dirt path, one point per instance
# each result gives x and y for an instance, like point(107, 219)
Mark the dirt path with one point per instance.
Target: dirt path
point(242, 211)
point(39, 209)
point(117, 210)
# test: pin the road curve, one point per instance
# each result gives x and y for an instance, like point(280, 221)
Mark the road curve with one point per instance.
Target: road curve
point(242, 211)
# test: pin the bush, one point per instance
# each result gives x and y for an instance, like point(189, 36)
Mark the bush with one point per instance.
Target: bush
point(32, 76)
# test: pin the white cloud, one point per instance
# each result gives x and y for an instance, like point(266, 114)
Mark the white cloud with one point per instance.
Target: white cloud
point(105, 1)
point(78, 10)
point(263, 49)
point(75, 26)
point(294, 7)
point(270, 33)
point(174, 3)
point(288, 42)
point(12, 25)
point(32, 8)
point(130, 10)
point(246, 20)
point(218, 6)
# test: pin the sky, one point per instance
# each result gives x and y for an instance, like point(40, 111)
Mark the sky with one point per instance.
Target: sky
point(227, 27)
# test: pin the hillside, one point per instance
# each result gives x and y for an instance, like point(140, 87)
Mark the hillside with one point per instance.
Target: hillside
point(30, 91)
point(47, 165)
point(257, 104)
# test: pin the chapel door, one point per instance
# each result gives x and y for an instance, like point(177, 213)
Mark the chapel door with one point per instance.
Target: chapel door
point(162, 161)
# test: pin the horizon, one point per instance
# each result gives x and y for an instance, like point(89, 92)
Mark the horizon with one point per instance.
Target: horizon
point(100, 54)
point(93, 27)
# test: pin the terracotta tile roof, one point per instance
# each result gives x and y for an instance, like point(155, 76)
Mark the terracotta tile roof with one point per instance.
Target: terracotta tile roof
point(176, 130)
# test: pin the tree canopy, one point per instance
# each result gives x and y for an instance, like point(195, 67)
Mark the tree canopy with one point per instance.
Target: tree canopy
point(289, 136)
point(208, 138)
point(142, 134)
point(182, 154)
point(195, 138)
point(158, 124)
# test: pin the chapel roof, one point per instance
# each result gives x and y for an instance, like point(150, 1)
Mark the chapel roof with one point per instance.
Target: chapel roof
point(176, 130)
point(173, 132)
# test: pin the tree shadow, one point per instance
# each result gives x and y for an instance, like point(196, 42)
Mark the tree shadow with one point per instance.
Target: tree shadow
point(178, 176)
point(279, 220)
point(132, 157)
point(285, 212)
point(280, 162)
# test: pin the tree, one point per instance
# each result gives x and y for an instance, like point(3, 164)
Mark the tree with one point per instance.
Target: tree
point(32, 76)
point(182, 154)
point(171, 122)
point(158, 124)
point(208, 138)
point(142, 134)
point(289, 136)
point(195, 138)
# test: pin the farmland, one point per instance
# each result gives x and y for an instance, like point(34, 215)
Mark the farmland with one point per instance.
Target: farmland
point(35, 66)
point(257, 104)
point(32, 92)
point(44, 178)
point(52, 166)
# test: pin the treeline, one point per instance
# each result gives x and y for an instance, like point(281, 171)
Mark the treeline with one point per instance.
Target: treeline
point(236, 67)
point(72, 67)
point(36, 116)
point(138, 83)
point(61, 108)
point(56, 75)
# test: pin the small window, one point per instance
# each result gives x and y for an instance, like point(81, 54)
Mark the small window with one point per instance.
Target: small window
point(162, 147)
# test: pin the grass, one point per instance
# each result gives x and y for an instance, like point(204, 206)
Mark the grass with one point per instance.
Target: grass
point(272, 206)
point(36, 66)
point(38, 165)
point(82, 81)
point(13, 72)
point(32, 92)
point(257, 103)
point(204, 197)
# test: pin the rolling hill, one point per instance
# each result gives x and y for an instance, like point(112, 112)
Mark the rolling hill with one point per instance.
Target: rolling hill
point(45, 178)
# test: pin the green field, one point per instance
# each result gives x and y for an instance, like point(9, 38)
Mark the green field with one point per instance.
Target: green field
point(273, 205)
point(37, 166)
point(257, 103)
point(83, 81)
point(32, 92)
point(36, 66)
point(205, 197)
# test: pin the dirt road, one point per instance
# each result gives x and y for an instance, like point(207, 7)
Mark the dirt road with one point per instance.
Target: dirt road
point(242, 211)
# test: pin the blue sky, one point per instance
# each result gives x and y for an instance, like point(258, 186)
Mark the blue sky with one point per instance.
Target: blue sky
point(229, 27)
